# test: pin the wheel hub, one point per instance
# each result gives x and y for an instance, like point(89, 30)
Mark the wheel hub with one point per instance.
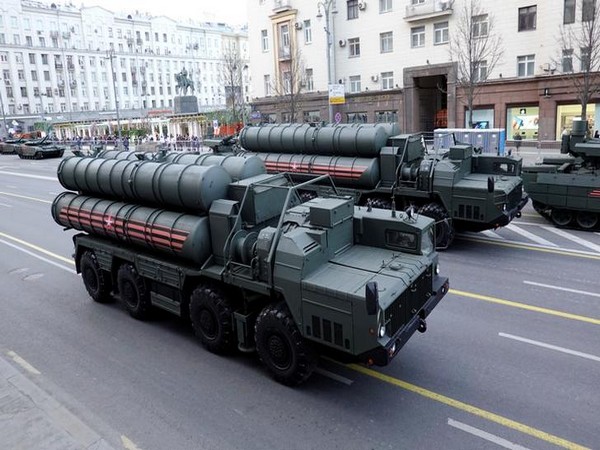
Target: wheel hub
point(279, 351)
point(208, 324)
point(90, 278)
point(129, 295)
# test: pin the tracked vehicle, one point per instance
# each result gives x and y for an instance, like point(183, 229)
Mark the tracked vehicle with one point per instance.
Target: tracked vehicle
point(566, 190)
point(40, 149)
point(459, 190)
point(248, 263)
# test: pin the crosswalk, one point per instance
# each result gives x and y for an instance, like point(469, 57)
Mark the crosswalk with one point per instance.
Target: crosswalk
point(540, 233)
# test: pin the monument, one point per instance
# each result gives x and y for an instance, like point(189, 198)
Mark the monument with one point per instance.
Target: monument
point(185, 104)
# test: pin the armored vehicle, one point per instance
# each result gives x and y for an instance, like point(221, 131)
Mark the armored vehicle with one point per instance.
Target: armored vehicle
point(459, 190)
point(10, 146)
point(566, 189)
point(40, 149)
point(249, 264)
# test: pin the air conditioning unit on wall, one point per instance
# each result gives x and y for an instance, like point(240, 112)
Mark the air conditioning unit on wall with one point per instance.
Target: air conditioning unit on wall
point(374, 78)
point(342, 42)
point(362, 6)
point(298, 25)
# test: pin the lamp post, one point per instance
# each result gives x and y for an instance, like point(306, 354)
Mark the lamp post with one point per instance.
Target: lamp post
point(110, 54)
point(3, 116)
point(329, 9)
point(66, 77)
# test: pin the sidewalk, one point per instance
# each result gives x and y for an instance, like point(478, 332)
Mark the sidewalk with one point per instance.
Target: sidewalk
point(30, 419)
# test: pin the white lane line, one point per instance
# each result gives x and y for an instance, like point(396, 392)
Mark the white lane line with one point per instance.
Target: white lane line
point(41, 258)
point(485, 435)
point(26, 197)
point(6, 205)
point(492, 234)
point(551, 347)
point(535, 224)
point(24, 364)
point(476, 237)
point(27, 175)
point(559, 288)
point(573, 238)
point(334, 376)
point(128, 443)
point(530, 236)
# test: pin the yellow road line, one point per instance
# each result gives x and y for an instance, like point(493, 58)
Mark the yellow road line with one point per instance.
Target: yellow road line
point(525, 306)
point(492, 417)
point(531, 247)
point(26, 197)
point(36, 248)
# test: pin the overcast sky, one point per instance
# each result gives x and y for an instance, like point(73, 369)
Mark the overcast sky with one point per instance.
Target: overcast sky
point(228, 11)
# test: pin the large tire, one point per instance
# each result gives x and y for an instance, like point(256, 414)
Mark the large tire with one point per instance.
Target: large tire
point(444, 230)
point(134, 292)
point(212, 319)
point(96, 281)
point(561, 217)
point(540, 208)
point(280, 346)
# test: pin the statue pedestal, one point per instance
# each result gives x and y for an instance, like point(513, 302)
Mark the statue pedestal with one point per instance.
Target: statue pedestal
point(187, 104)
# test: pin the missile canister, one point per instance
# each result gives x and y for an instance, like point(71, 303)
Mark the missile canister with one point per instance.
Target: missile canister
point(237, 167)
point(118, 154)
point(164, 184)
point(169, 232)
point(304, 139)
point(345, 171)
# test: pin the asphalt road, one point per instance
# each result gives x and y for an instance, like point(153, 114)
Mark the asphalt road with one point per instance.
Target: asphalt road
point(511, 358)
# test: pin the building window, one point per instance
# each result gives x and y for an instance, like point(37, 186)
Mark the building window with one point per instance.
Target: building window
point(480, 25)
point(34, 75)
point(417, 2)
point(307, 32)
point(525, 65)
point(264, 40)
point(355, 83)
point(357, 117)
point(284, 35)
point(417, 37)
point(480, 71)
point(588, 10)
point(567, 60)
point(386, 42)
point(352, 9)
point(312, 116)
point(46, 75)
point(31, 58)
point(527, 18)
point(569, 12)
point(354, 45)
point(21, 74)
point(23, 91)
point(42, 42)
point(267, 81)
point(308, 80)
point(440, 33)
point(387, 80)
point(585, 59)
point(385, 6)
point(386, 116)
point(29, 41)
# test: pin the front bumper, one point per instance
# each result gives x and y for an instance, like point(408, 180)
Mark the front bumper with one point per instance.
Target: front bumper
point(381, 356)
point(510, 214)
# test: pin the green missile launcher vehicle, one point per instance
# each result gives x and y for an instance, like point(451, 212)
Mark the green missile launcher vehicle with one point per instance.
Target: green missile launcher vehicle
point(248, 263)
point(566, 189)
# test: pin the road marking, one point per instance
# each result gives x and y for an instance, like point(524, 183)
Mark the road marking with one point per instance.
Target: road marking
point(6, 205)
point(529, 215)
point(28, 175)
point(128, 443)
point(535, 224)
point(573, 238)
point(525, 246)
point(492, 234)
point(26, 197)
point(41, 258)
point(35, 247)
point(530, 236)
point(551, 312)
point(550, 347)
point(479, 412)
point(24, 364)
point(485, 435)
point(334, 376)
point(559, 288)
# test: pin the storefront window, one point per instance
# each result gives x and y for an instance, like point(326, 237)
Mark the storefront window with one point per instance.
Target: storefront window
point(482, 118)
point(566, 113)
point(522, 120)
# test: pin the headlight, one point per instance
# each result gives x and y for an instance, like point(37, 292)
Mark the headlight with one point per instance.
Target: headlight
point(437, 269)
point(503, 206)
point(382, 331)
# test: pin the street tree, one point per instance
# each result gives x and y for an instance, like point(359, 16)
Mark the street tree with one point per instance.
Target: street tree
point(232, 69)
point(475, 49)
point(291, 81)
point(579, 60)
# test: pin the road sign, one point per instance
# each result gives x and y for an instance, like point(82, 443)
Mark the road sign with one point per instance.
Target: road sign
point(338, 117)
point(337, 94)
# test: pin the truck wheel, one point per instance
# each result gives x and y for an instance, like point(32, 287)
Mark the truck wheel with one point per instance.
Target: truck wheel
point(211, 317)
point(280, 346)
point(539, 207)
point(134, 292)
point(587, 220)
point(95, 280)
point(444, 230)
point(561, 217)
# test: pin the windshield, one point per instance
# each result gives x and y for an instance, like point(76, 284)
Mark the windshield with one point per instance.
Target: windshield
point(428, 242)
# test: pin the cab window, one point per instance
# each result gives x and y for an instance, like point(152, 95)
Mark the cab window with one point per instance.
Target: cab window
point(401, 239)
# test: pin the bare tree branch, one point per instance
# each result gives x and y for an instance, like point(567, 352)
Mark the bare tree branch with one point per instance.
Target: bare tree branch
point(290, 81)
point(476, 49)
point(232, 67)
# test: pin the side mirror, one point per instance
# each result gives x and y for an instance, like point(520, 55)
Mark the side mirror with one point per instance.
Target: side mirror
point(491, 185)
point(371, 297)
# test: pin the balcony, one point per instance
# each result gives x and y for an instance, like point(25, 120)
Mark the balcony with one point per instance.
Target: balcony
point(280, 6)
point(428, 9)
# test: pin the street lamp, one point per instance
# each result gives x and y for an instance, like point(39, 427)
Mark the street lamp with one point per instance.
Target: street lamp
point(3, 115)
point(329, 9)
point(110, 54)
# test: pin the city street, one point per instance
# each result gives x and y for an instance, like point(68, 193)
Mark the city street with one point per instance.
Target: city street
point(511, 357)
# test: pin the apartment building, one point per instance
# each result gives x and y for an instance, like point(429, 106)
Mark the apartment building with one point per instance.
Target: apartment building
point(394, 61)
point(74, 65)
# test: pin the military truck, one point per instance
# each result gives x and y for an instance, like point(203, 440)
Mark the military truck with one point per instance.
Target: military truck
point(566, 189)
point(248, 263)
point(458, 189)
